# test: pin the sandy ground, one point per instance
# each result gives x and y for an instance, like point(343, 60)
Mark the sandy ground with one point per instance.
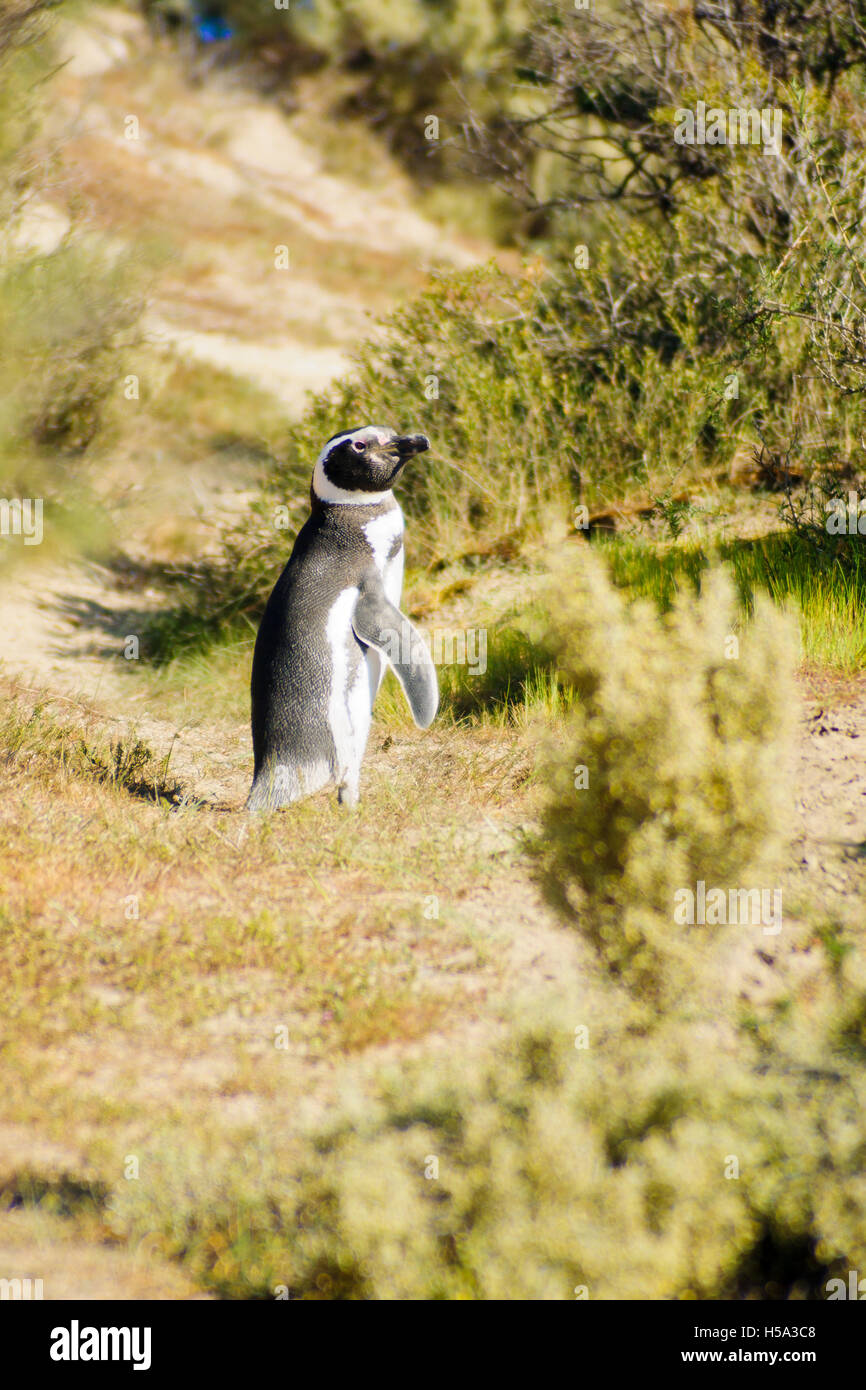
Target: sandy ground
point(831, 791)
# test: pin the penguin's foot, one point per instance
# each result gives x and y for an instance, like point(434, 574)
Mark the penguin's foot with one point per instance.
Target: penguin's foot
point(281, 784)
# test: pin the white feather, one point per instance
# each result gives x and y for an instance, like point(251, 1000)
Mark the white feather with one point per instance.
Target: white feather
point(338, 630)
point(381, 533)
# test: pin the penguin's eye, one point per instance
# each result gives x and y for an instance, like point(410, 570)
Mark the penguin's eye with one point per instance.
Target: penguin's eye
point(358, 446)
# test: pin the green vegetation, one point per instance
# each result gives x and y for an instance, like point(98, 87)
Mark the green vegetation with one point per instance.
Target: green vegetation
point(33, 735)
point(675, 770)
point(827, 591)
point(714, 306)
point(68, 307)
point(636, 1167)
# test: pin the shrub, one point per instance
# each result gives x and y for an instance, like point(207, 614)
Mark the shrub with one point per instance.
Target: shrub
point(35, 740)
point(500, 458)
point(676, 763)
point(461, 362)
point(65, 315)
point(722, 303)
point(752, 257)
point(545, 1171)
point(518, 438)
point(64, 320)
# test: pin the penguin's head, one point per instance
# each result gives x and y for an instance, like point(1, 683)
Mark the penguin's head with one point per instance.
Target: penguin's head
point(361, 466)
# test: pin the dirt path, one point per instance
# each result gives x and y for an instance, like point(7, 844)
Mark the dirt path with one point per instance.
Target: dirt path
point(64, 631)
point(830, 851)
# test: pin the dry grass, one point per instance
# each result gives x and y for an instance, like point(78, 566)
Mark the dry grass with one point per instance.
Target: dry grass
point(273, 966)
point(265, 959)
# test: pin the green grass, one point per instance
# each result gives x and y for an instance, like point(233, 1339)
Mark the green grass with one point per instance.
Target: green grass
point(828, 591)
point(519, 685)
point(126, 764)
point(215, 679)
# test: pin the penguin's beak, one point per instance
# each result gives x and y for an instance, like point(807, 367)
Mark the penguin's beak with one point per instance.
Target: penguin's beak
point(411, 444)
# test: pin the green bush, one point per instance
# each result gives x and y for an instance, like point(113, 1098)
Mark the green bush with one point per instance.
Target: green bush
point(66, 315)
point(519, 437)
point(500, 460)
point(64, 321)
point(726, 255)
point(676, 763)
point(648, 1166)
point(460, 362)
point(720, 303)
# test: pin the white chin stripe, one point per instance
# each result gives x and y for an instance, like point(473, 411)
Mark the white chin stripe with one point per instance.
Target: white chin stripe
point(326, 491)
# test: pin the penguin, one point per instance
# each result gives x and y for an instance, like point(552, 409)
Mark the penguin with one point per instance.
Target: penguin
point(333, 623)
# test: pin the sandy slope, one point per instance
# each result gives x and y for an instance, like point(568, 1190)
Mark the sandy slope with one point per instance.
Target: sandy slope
point(225, 178)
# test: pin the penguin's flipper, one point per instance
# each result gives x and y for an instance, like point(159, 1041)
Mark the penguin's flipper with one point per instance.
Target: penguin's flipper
point(379, 624)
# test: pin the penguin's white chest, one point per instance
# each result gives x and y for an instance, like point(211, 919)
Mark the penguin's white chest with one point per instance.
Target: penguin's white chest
point(383, 534)
point(349, 704)
point(355, 679)
point(385, 537)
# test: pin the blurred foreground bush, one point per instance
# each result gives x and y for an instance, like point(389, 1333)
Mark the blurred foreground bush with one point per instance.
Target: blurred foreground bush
point(676, 766)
